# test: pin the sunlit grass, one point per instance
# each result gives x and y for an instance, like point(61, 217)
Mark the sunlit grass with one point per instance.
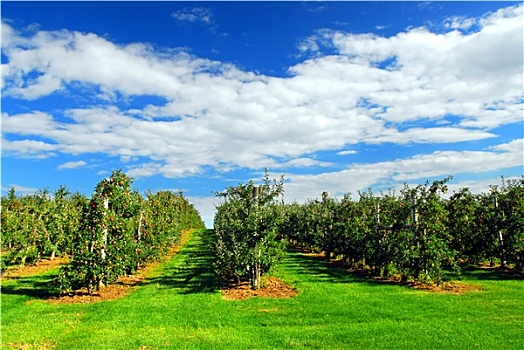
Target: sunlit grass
point(179, 306)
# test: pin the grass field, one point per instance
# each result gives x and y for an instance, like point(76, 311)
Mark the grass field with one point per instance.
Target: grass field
point(179, 306)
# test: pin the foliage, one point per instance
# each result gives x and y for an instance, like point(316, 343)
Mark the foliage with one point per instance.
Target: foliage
point(490, 226)
point(112, 234)
point(121, 231)
point(39, 225)
point(467, 238)
point(431, 239)
point(509, 222)
point(247, 223)
point(164, 216)
point(105, 243)
point(417, 233)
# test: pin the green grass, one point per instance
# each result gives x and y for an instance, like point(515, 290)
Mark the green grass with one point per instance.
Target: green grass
point(179, 306)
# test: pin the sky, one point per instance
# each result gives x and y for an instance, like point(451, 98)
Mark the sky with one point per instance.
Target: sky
point(201, 96)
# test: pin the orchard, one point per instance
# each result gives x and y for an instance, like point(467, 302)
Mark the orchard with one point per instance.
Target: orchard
point(416, 234)
point(112, 234)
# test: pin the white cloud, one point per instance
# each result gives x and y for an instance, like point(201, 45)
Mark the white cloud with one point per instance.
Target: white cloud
point(65, 57)
point(21, 190)
point(476, 186)
point(434, 88)
point(433, 75)
point(433, 135)
point(514, 147)
point(28, 123)
point(346, 153)
point(197, 14)
point(72, 165)
point(359, 177)
point(301, 163)
point(460, 22)
point(28, 149)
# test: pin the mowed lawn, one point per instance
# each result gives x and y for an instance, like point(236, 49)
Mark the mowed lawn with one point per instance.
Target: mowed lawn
point(179, 306)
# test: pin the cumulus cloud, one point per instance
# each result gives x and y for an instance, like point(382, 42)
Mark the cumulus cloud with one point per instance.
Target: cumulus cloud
point(433, 135)
point(476, 186)
point(421, 74)
point(439, 164)
point(460, 22)
point(206, 206)
point(28, 149)
point(412, 88)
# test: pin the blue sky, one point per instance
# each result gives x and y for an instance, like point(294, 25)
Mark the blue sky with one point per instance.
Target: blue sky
point(199, 96)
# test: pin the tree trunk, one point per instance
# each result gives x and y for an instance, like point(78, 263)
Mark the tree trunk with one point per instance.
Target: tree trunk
point(499, 235)
point(139, 232)
point(255, 272)
point(103, 250)
point(139, 237)
point(255, 276)
point(414, 215)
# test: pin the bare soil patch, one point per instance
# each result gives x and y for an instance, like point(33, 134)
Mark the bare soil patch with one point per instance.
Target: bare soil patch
point(40, 267)
point(451, 287)
point(271, 287)
point(124, 286)
point(22, 346)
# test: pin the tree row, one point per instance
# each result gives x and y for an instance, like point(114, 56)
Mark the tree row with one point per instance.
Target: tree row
point(112, 234)
point(417, 233)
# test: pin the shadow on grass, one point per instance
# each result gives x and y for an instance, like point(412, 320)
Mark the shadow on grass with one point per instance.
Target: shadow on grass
point(38, 286)
point(475, 272)
point(318, 269)
point(193, 272)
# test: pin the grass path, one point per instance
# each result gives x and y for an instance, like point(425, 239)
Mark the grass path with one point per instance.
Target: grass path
point(179, 306)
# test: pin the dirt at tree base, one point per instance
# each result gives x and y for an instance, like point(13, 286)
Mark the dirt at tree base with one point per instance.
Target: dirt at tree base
point(123, 287)
point(272, 287)
point(24, 346)
point(451, 287)
point(40, 267)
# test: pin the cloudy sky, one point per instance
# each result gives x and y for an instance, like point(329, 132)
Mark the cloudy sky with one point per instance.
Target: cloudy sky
point(199, 96)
